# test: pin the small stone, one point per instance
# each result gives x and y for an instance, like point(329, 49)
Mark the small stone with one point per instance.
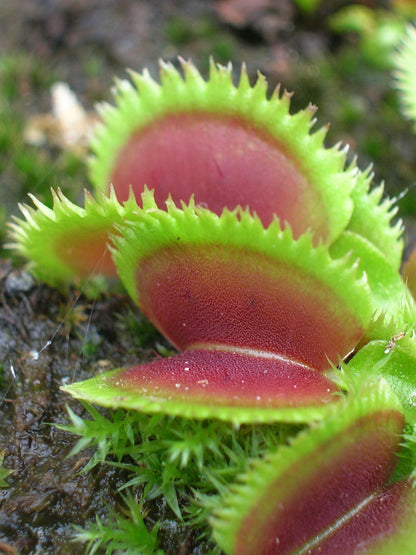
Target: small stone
point(18, 282)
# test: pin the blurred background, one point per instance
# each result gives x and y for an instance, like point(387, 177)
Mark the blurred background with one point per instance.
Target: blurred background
point(336, 54)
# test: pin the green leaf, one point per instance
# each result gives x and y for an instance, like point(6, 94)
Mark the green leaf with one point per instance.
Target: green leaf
point(235, 147)
point(389, 292)
point(372, 219)
point(321, 493)
point(406, 74)
point(68, 243)
point(396, 363)
point(220, 385)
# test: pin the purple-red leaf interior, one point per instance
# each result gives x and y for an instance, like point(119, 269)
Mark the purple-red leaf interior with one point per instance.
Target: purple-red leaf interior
point(86, 252)
point(328, 508)
point(224, 161)
point(223, 378)
point(378, 517)
point(207, 295)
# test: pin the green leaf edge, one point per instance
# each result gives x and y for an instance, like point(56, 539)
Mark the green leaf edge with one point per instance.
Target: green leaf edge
point(405, 538)
point(99, 390)
point(35, 235)
point(389, 292)
point(151, 229)
point(389, 360)
point(139, 105)
point(241, 496)
point(372, 218)
point(405, 74)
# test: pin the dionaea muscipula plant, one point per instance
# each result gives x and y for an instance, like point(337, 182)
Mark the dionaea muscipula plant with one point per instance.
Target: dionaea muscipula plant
point(266, 261)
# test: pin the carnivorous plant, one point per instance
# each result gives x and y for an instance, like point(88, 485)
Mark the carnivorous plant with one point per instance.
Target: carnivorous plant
point(272, 266)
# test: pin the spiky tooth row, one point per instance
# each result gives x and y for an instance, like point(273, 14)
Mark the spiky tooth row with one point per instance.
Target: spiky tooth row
point(298, 498)
point(395, 360)
point(372, 218)
point(68, 243)
point(148, 102)
point(388, 289)
point(406, 74)
point(152, 229)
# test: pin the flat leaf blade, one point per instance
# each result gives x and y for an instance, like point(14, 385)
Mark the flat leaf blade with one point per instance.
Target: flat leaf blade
point(234, 386)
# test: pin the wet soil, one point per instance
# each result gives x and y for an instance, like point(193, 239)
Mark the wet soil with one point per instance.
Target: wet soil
point(39, 353)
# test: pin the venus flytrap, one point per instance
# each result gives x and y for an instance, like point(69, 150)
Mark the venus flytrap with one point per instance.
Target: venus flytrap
point(405, 73)
point(266, 261)
point(250, 152)
point(54, 240)
point(329, 491)
point(256, 314)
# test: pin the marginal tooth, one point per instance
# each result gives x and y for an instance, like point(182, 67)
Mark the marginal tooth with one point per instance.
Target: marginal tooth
point(319, 135)
point(89, 201)
point(42, 207)
point(275, 97)
point(345, 149)
point(102, 108)
point(62, 205)
point(189, 69)
point(148, 88)
point(244, 83)
point(259, 90)
point(123, 85)
point(30, 214)
point(220, 76)
point(287, 98)
point(170, 76)
point(148, 199)
point(311, 109)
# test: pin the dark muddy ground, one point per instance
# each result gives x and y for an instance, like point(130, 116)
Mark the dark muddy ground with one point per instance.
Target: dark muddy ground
point(40, 353)
point(43, 345)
